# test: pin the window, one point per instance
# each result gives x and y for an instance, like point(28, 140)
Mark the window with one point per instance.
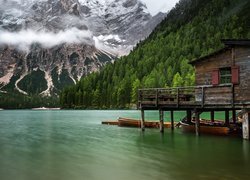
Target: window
point(225, 75)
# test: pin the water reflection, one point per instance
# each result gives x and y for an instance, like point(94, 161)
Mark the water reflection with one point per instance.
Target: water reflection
point(245, 151)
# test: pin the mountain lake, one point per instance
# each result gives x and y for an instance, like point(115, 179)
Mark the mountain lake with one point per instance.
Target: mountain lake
point(72, 145)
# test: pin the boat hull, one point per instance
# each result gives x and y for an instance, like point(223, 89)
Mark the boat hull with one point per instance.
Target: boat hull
point(205, 129)
point(126, 122)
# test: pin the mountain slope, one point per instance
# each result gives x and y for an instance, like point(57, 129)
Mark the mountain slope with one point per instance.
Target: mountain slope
point(192, 29)
point(61, 41)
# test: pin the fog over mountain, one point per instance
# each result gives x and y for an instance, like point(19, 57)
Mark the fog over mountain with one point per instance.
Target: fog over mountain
point(61, 41)
point(25, 38)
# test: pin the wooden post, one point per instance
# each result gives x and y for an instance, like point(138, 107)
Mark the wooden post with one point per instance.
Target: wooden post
point(142, 120)
point(189, 116)
point(233, 55)
point(234, 116)
point(139, 99)
point(246, 125)
point(197, 123)
point(232, 98)
point(227, 118)
point(156, 98)
point(178, 92)
point(161, 121)
point(172, 120)
point(212, 116)
point(203, 97)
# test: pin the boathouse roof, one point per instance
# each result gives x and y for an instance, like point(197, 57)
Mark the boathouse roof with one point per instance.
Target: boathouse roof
point(229, 43)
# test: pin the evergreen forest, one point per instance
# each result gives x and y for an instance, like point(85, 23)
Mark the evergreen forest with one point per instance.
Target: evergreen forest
point(192, 29)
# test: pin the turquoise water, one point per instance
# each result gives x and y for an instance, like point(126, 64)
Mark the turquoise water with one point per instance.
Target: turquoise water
point(72, 145)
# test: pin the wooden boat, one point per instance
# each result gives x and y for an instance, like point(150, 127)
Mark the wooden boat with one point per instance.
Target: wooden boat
point(128, 122)
point(111, 122)
point(206, 128)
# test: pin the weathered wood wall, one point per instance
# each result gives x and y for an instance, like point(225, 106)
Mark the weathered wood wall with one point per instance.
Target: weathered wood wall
point(242, 59)
point(205, 67)
point(218, 95)
point(239, 56)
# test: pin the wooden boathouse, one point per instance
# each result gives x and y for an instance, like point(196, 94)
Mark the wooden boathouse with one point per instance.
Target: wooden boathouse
point(222, 84)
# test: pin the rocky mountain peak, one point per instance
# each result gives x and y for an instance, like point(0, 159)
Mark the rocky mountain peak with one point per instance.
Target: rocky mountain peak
point(65, 40)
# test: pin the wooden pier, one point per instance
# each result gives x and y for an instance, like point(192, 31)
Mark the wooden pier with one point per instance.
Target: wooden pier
point(193, 100)
point(184, 98)
point(222, 84)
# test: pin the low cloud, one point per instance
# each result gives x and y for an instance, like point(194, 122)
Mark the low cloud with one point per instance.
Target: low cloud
point(112, 44)
point(25, 38)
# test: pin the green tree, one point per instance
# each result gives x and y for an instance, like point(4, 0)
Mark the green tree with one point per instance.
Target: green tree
point(135, 87)
point(177, 81)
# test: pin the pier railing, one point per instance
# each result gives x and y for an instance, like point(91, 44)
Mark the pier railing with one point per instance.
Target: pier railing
point(192, 96)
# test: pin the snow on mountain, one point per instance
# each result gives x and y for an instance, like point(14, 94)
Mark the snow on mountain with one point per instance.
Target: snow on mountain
point(64, 40)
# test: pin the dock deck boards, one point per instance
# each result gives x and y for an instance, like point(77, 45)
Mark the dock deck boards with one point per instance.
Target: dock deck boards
point(185, 98)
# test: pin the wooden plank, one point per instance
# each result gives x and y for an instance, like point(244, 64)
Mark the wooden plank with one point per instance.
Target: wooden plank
point(161, 121)
point(246, 126)
point(157, 99)
point(148, 102)
point(189, 116)
point(110, 122)
point(212, 116)
point(203, 97)
point(142, 120)
point(178, 97)
point(227, 118)
point(234, 116)
point(172, 120)
point(197, 123)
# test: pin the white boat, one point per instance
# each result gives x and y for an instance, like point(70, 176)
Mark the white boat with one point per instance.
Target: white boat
point(44, 108)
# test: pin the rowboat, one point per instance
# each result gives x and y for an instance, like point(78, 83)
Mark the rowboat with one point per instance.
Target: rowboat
point(205, 129)
point(128, 122)
point(215, 128)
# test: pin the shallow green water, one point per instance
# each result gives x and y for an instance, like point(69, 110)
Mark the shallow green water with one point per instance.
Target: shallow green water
point(68, 145)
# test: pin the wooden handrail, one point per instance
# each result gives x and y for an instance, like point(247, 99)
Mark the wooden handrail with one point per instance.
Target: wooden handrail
point(185, 87)
point(194, 95)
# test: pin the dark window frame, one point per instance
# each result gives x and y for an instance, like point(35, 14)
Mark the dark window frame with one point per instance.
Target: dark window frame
point(225, 75)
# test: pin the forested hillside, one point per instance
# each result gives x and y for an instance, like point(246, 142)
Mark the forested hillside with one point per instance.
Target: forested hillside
point(192, 29)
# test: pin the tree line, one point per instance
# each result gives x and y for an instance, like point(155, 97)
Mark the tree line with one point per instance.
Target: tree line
point(194, 28)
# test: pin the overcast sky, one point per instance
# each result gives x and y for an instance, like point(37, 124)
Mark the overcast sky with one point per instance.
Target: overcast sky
point(156, 6)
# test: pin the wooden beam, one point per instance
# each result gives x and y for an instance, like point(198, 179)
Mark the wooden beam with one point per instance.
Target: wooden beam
point(156, 98)
point(233, 93)
point(233, 56)
point(227, 117)
point(172, 120)
point(246, 125)
point(161, 121)
point(189, 116)
point(142, 120)
point(234, 116)
point(203, 97)
point(139, 99)
point(197, 123)
point(178, 101)
point(212, 116)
